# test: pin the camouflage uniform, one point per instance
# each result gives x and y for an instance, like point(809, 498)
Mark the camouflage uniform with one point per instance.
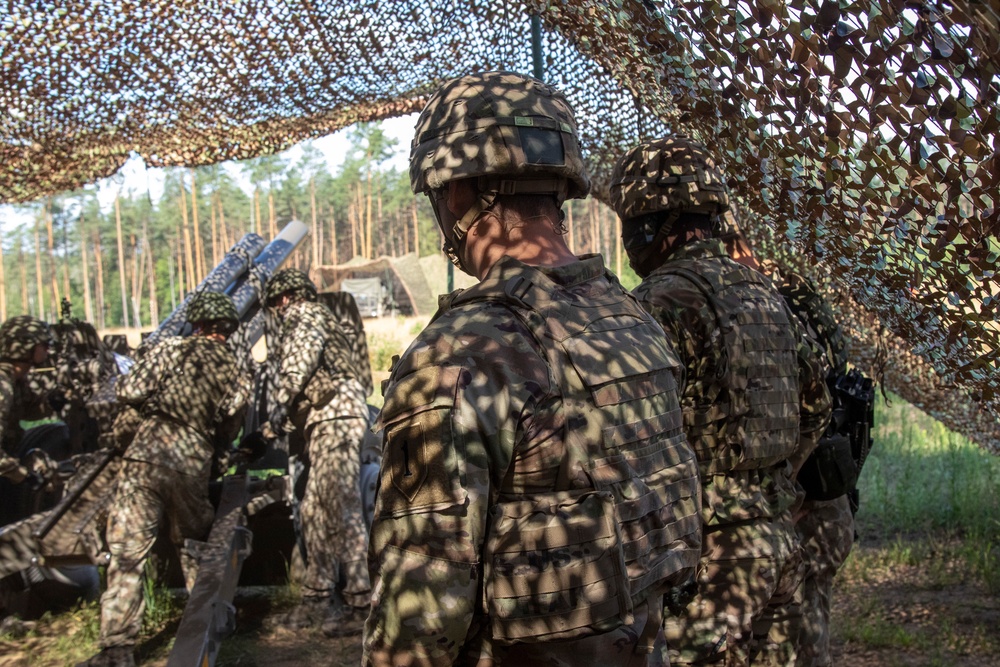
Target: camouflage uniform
point(17, 403)
point(191, 397)
point(537, 495)
point(19, 336)
point(753, 398)
point(826, 528)
point(320, 400)
point(478, 430)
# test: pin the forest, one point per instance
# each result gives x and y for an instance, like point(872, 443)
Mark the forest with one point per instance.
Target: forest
point(129, 264)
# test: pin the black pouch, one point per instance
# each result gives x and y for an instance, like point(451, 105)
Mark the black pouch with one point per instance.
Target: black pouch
point(831, 470)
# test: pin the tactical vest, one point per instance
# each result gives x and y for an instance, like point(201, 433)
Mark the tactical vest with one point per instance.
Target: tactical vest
point(623, 523)
point(747, 416)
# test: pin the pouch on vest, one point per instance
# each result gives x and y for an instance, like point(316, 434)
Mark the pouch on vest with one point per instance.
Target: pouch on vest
point(549, 555)
point(830, 471)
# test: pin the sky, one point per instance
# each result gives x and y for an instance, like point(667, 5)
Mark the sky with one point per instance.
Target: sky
point(135, 177)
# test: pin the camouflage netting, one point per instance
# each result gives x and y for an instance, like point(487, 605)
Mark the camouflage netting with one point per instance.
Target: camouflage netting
point(864, 133)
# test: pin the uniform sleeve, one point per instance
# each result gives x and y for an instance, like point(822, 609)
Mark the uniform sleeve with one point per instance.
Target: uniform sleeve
point(301, 350)
point(141, 381)
point(233, 410)
point(447, 436)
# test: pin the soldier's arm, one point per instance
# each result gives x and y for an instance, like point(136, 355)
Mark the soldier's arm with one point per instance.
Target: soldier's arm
point(444, 451)
point(301, 350)
point(142, 380)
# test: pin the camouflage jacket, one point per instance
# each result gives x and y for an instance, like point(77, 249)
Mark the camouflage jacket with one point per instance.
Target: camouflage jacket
point(191, 396)
point(693, 328)
point(17, 403)
point(477, 429)
point(318, 374)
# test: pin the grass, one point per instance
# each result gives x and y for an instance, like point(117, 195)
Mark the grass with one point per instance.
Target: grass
point(928, 561)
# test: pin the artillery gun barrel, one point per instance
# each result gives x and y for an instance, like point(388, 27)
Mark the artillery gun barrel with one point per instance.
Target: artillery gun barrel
point(234, 265)
point(248, 290)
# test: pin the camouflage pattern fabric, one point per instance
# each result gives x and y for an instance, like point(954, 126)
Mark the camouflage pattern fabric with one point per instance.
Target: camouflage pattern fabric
point(332, 523)
point(749, 542)
point(826, 528)
point(827, 534)
point(317, 386)
point(481, 443)
point(192, 399)
point(17, 403)
point(147, 495)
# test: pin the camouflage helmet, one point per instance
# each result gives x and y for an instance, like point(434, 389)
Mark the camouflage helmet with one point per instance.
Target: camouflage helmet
point(672, 174)
point(506, 127)
point(290, 280)
point(212, 307)
point(20, 334)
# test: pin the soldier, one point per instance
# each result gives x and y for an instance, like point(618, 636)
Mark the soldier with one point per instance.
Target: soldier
point(191, 398)
point(24, 343)
point(537, 496)
point(320, 402)
point(754, 401)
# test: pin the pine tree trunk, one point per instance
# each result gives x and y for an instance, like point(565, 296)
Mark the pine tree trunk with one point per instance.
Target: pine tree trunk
point(199, 250)
point(215, 231)
point(154, 306)
point(333, 236)
point(223, 232)
point(137, 275)
point(189, 267)
point(53, 279)
point(24, 276)
point(88, 305)
point(170, 276)
point(272, 223)
point(121, 261)
point(39, 290)
point(315, 240)
point(255, 224)
point(99, 257)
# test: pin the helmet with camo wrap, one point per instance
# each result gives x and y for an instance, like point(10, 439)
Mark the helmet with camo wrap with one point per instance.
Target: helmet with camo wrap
point(214, 307)
point(514, 133)
point(654, 183)
point(289, 281)
point(20, 334)
point(672, 174)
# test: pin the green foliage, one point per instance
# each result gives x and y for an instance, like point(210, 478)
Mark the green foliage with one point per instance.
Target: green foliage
point(161, 607)
point(381, 349)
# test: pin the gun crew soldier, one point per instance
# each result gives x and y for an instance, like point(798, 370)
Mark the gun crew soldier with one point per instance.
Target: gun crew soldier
point(191, 397)
point(537, 496)
point(24, 343)
point(320, 403)
point(754, 400)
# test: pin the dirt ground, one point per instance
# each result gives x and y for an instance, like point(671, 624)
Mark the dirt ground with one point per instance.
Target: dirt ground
point(925, 615)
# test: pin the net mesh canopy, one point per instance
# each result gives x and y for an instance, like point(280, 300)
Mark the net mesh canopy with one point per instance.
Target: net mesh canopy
point(859, 138)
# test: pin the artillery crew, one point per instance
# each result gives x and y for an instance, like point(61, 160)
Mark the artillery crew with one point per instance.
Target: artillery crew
point(319, 401)
point(754, 399)
point(190, 398)
point(538, 497)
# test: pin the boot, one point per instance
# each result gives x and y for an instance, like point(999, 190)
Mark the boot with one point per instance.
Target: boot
point(309, 613)
point(344, 620)
point(111, 656)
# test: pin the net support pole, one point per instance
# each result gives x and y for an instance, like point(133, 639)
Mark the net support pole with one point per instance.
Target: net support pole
point(536, 47)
